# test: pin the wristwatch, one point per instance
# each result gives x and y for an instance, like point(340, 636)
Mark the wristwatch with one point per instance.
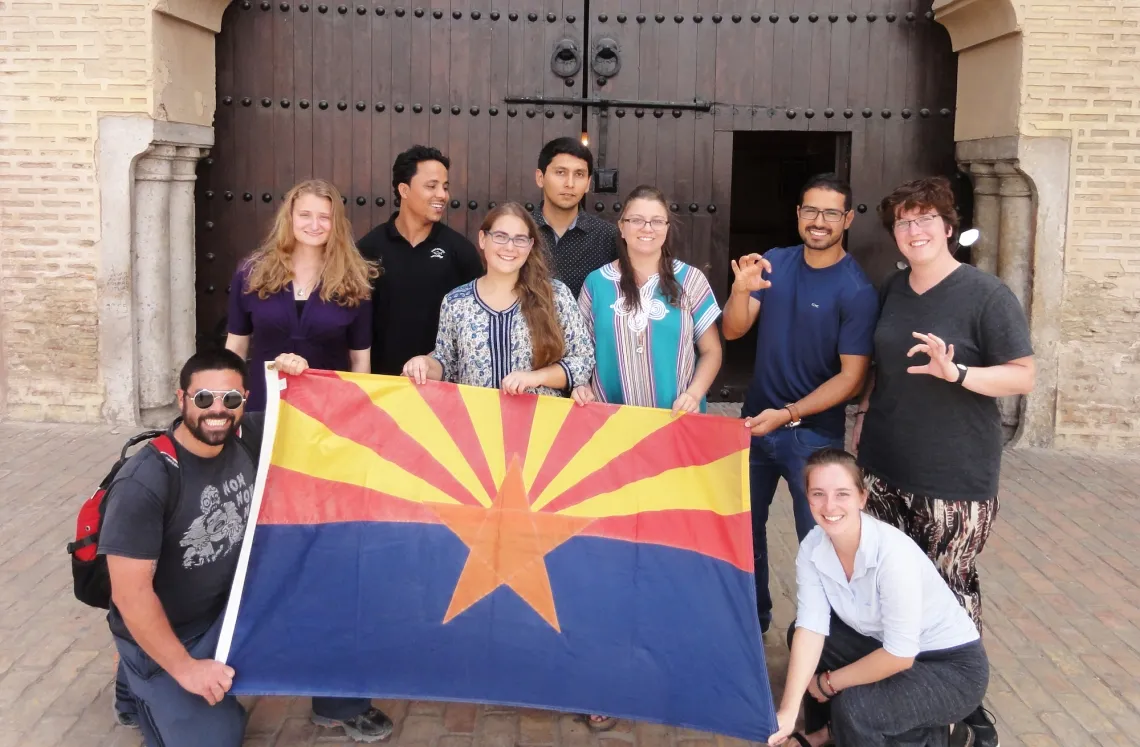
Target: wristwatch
point(794, 412)
point(962, 371)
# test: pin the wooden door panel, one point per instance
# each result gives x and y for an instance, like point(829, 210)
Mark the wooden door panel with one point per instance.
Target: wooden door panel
point(308, 91)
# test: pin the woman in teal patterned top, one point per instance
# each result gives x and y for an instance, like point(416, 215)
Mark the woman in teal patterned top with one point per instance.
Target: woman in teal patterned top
point(653, 318)
point(515, 328)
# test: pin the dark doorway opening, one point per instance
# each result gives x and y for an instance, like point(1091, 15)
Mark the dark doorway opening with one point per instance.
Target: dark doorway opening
point(768, 171)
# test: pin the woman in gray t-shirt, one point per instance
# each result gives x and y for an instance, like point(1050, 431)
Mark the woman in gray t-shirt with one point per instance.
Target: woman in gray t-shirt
point(951, 339)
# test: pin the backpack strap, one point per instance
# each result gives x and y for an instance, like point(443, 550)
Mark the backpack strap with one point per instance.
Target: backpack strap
point(164, 445)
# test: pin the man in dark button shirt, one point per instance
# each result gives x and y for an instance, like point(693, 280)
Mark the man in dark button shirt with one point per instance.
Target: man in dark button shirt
point(579, 242)
point(422, 260)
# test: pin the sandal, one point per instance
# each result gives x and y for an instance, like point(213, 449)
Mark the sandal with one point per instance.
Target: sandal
point(607, 723)
point(799, 738)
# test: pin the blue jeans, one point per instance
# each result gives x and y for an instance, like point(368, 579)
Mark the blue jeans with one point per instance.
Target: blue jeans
point(170, 716)
point(781, 453)
point(124, 701)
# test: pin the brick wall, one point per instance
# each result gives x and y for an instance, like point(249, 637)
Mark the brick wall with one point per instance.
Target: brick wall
point(1082, 79)
point(62, 64)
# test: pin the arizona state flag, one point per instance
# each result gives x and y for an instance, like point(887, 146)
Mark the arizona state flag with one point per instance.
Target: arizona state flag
point(454, 543)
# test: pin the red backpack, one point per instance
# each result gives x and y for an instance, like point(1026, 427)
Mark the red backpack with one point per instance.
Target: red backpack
point(89, 568)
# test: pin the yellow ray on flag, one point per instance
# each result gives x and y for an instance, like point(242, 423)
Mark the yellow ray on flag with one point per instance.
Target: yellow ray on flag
point(313, 449)
point(711, 487)
point(620, 433)
point(414, 417)
point(549, 415)
point(487, 417)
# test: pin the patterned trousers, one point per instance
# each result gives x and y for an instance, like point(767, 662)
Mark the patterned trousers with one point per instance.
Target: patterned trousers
point(952, 533)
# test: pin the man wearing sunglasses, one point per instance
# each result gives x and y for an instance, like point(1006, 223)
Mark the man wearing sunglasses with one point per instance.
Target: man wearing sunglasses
point(817, 314)
point(172, 536)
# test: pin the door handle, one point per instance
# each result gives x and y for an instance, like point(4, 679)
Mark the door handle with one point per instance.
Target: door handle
point(606, 60)
point(566, 60)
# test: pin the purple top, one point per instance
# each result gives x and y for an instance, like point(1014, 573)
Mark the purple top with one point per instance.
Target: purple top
point(322, 334)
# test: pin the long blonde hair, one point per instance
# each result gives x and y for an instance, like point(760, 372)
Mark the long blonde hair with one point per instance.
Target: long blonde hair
point(535, 289)
point(345, 277)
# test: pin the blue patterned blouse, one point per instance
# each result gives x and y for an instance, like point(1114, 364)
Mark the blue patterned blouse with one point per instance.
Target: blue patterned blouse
point(478, 346)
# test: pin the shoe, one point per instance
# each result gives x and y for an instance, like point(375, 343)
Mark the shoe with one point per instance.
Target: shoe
point(599, 724)
point(985, 729)
point(370, 726)
point(961, 735)
point(127, 719)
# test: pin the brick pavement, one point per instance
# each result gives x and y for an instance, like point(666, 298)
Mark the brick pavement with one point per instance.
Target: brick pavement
point(1060, 582)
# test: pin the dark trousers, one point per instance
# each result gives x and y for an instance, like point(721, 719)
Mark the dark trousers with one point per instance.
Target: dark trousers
point(341, 709)
point(124, 701)
point(781, 453)
point(910, 709)
point(170, 716)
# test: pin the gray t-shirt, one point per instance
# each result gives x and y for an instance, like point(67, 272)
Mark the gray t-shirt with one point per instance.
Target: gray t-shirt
point(193, 527)
point(925, 435)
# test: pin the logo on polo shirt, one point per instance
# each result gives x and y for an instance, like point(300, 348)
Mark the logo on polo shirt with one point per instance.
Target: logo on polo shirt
point(437, 253)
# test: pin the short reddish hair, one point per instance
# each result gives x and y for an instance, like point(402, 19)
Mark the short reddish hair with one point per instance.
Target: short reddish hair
point(929, 193)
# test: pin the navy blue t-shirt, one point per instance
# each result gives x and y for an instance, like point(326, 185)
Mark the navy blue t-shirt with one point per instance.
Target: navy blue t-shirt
point(808, 318)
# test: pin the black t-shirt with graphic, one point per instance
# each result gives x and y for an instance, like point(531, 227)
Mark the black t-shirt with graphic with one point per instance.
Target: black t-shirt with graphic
point(195, 535)
point(925, 435)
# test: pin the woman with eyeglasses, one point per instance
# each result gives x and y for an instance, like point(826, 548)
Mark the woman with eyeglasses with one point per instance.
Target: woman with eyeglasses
point(304, 293)
point(515, 328)
point(303, 300)
point(653, 317)
point(950, 340)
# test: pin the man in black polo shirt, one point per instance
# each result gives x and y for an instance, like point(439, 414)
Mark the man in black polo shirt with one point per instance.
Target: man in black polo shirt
point(421, 261)
point(579, 242)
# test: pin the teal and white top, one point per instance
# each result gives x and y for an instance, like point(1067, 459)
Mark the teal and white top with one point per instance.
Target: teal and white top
point(646, 356)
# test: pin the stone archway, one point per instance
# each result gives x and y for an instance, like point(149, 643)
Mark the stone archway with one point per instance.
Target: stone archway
point(1021, 190)
point(145, 168)
point(146, 171)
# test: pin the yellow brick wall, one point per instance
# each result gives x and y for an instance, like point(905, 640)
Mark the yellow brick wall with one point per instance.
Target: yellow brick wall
point(1082, 80)
point(62, 64)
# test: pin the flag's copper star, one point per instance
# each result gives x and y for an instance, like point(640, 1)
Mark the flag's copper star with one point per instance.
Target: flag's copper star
point(508, 543)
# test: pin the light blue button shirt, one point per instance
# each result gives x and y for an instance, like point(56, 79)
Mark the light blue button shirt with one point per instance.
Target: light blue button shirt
point(895, 594)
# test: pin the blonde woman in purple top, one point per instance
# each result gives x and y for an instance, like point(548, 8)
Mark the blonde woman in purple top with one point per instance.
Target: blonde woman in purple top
point(306, 290)
point(303, 298)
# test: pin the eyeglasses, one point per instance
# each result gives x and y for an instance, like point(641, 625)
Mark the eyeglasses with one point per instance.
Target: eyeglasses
point(204, 399)
point(806, 212)
point(520, 241)
point(639, 223)
point(922, 221)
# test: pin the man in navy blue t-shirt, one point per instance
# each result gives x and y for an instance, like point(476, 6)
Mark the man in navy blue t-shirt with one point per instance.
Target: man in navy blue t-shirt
point(817, 313)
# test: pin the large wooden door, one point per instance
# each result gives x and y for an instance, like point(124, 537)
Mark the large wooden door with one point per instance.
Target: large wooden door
point(660, 86)
point(336, 91)
point(881, 70)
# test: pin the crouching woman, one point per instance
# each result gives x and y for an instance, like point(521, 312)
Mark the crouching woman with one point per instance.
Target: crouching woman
point(880, 643)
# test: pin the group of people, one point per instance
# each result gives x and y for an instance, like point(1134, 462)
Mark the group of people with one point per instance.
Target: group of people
point(561, 303)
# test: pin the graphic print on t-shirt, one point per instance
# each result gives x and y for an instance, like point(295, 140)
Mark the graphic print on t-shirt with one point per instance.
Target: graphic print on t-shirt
point(214, 534)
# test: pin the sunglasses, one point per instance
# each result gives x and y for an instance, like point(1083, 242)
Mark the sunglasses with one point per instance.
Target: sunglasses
point(204, 399)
